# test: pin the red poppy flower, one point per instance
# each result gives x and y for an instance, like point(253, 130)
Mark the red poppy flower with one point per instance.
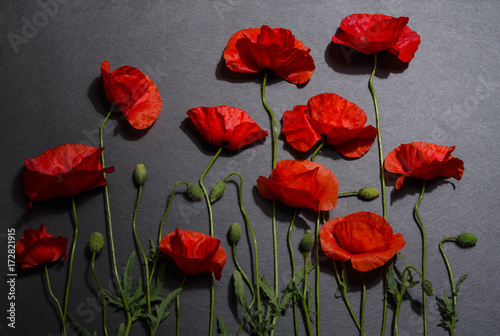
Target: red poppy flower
point(423, 160)
point(194, 252)
point(255, 49)
point(37, 247)
point(371, 33)
point(225, 126)
point(133, 93)
point(301, 184)
point(66, 170)
point(328, 114)
point(364, 237)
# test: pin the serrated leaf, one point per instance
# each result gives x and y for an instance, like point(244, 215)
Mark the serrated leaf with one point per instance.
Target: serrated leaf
point(459, 282)
point(239, 289)
point(223, 331)
point(159, 282)
point(81, 330)
point(391, 283)
point(113, 300)
point(127, 275)
point(412, 284)
point(285, 300)
point(152, 250)
point(121, 330)
point(269, 292)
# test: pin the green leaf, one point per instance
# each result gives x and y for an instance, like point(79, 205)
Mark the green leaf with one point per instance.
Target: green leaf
point(459, 282)
point(223, 331)
point(81, 330)
point(113, 300)
point(127, 276)
point(391, 283)
point(239, 289)
point(152, 250)
point(121, 330)
point(269, 292)
point(159, 282)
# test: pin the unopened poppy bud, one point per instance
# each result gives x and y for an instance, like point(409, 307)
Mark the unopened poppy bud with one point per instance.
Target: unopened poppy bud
point(96, 243)
point(466, 240)
point(306, 243)
point(194, 192)
point(368, 193)
point(427, 287)
point(234, 234)
point(140, 174)
point(217, 191)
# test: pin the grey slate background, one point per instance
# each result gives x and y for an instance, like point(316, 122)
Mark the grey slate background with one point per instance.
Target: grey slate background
point(51, 94)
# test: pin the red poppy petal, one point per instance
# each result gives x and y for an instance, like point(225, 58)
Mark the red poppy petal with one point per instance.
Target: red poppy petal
point(364, 262)
point(407, 45)
point(297, 129)
point(329, 244)
point(292, 197)
point(370, 33)
point(359, 237)
point(146, 110)
point(329, 110)
point(245, 134)
point(237, 54)
point(43, 251)
point(358, 146)
point(210, 123)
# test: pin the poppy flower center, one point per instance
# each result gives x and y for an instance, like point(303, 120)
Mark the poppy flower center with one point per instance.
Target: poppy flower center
point(359, 237)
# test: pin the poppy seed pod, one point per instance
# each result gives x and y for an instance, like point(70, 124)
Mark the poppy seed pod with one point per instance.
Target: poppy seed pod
point(306, 242)
point(96, 243)
point(194, 192)
point(466, 240)
point(368, 193)
point(140, 174)
point(217, 191)
point(234, 234)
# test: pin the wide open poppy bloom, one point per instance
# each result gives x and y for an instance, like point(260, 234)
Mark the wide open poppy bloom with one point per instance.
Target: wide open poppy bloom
point(133, 93)
point(37, 247)
point(255, 49)
point(301, 184)
point(363, 237)
point(424, 161)
point(225, 126)
point(66, 171)
point(329, 115)
point(371, 33)
point(194, 252)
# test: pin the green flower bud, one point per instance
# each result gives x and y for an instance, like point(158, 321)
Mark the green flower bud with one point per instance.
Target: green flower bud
point(140, 174)
point(96, 243)
point(234, 234)
point(217, 191)
point(194, 192)
point(427, 287)
point(466, 240)
point(306, 243)
point(368, 193)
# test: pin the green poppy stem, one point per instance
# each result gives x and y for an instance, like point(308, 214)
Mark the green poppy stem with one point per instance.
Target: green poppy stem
point(421, 226)
point(138, 242)
point(103, 298)
point(108, 216)
point(178, 309)
point(71, 257)
point(343, 286)
point(304, 295)
point(363, 296)
point(211, 230)
point(63, 321)
point(452, 282)
point(318, 328)
point(382, 177)
point(274, 155)
point(322, 143)
point(249, 225)
point(380, 152)
point(290, 248)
